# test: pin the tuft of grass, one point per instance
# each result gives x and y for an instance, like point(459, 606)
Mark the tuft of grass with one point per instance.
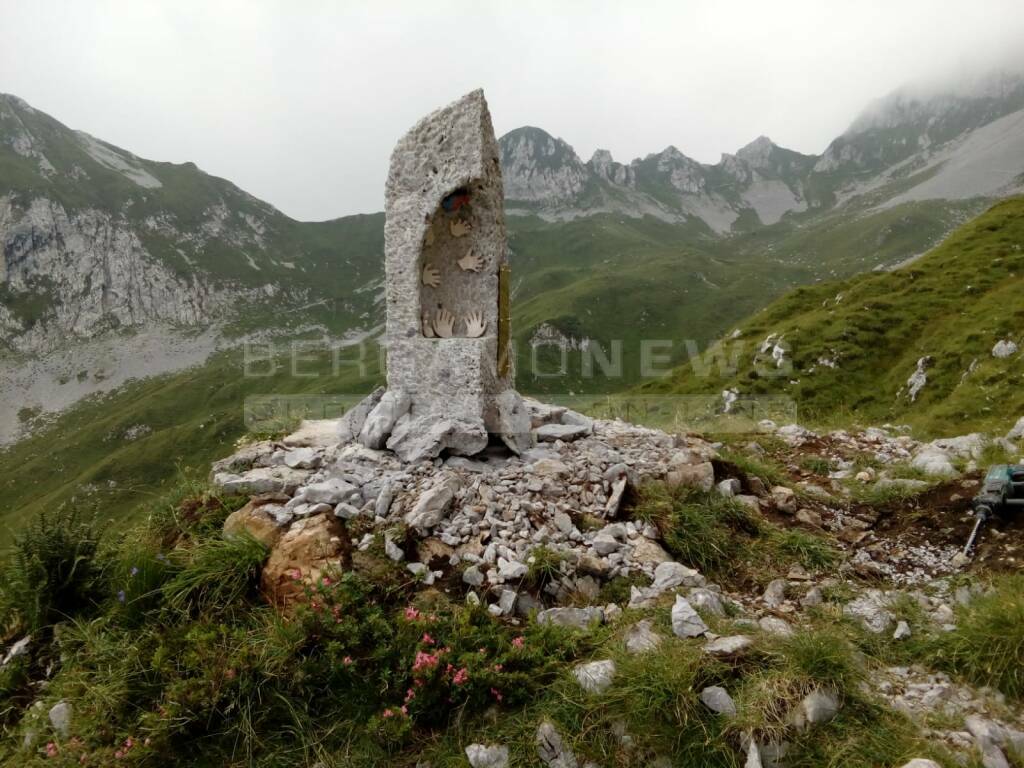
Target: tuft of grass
point(725, 539)
point(544, 566)
point(764, 467)
point(700, 529)
point(987, 647)
point(217, 572)
point(794, 545)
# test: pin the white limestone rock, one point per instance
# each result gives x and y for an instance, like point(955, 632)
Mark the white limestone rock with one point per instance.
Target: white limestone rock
point(380, 421)
point(549, 433)
point(482, 756)
point(351, 423)
point(427, 436)
point(686, 622)
point(718, 700)
point(730, 645)
point(577, 618)
point(671, 574)
point(1004, 348)
point(595, 676)
point(433, 504)
point(642, 638)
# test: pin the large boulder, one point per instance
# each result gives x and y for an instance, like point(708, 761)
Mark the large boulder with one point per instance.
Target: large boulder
point(259, 518)
point(310, 547)
point(425, 437)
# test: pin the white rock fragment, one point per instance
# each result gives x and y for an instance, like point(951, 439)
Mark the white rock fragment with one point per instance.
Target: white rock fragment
point(642, 638)
point(595, 676)
point(718, 700)
point(730, 645)
point(481, 756)
point(686, 622)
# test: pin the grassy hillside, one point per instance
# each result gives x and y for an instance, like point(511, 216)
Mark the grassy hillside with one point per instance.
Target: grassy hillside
point(111, 454)
point(609, 278)
point(853, 344)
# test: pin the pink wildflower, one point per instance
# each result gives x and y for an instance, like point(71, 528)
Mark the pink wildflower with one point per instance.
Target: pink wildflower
point(51, 749)
point(410, 695)
point(387, 713)
point(518, 642)
point(411, 614)
point(496, 693)
point(424, 661)
point(427, 639)
point(347, 661)
point(461, 676)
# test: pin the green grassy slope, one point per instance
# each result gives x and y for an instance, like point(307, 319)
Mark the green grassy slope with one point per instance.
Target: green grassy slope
point(609, 278)
point(952, 305)
point(88, 457)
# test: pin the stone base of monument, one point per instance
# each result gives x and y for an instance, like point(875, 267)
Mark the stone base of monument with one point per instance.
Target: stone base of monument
point(334, 493)
point(418, 428)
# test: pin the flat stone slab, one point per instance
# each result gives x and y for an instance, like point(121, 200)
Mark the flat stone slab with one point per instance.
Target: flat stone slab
point(728, 646)
point(549, 433)
point(314, 433)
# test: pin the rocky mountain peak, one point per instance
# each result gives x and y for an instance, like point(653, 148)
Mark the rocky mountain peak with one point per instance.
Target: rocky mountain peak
point(758, 152)
point(537, 167)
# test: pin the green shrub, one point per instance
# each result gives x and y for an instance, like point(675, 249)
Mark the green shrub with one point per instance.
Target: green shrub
point(54, 570)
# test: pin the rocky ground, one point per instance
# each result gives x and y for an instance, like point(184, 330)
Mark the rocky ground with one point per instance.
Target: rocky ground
point(485, 526)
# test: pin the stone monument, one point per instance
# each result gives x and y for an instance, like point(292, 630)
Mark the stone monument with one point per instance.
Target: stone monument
point(447, 286)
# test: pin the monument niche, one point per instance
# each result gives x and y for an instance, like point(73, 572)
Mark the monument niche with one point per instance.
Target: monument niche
point(445, 261)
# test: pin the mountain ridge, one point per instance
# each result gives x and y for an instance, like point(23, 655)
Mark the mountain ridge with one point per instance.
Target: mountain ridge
point(873, 161)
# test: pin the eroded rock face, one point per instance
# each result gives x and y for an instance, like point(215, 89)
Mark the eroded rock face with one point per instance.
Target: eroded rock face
point(263, 518)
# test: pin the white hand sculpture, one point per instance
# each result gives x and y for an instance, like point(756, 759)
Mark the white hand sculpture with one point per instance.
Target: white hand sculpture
point(471, 262)
point(475, 325)
point(428, 327)
point(431, 276)
point(460, 228)
point(444, 323)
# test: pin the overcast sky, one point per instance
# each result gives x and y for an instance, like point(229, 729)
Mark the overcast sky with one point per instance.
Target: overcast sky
point(300, 102)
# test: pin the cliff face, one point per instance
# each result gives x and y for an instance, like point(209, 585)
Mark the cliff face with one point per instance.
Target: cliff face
point(75, 274)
